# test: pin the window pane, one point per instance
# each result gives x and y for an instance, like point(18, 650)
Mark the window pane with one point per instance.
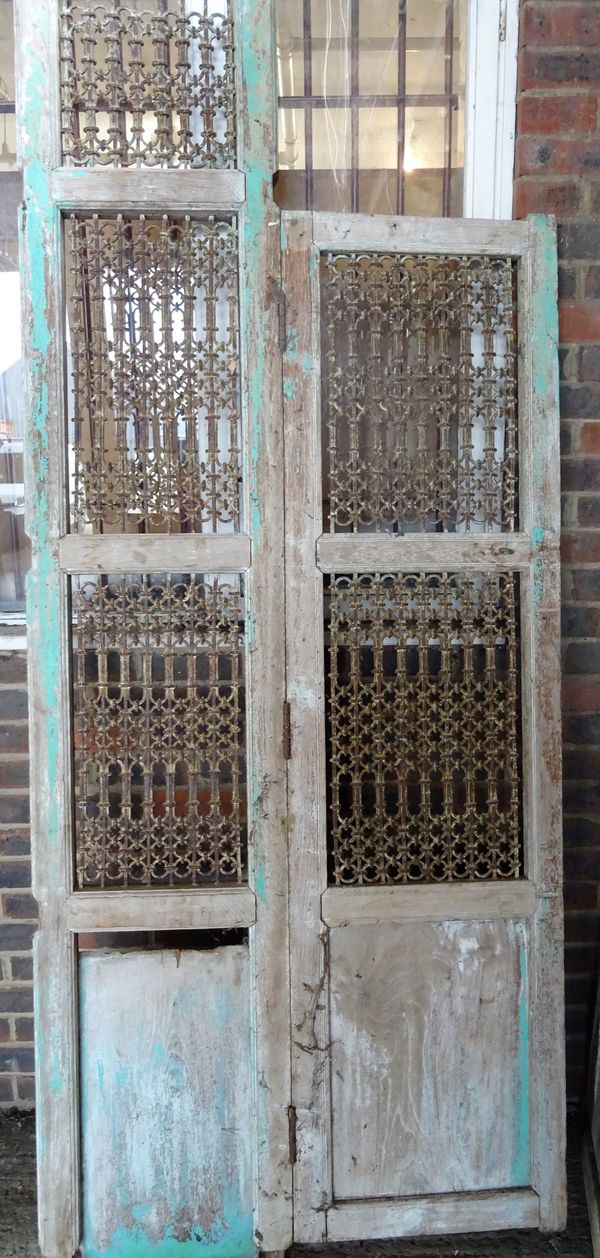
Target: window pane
point(380, 81)
point(14, 547)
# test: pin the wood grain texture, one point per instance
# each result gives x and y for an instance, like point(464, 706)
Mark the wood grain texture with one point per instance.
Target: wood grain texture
point(167, 1104)
point(221, 552)
point(540, 612)
point(426, 1216)
point(341, 906)
point(429, 1059)
point(219, 909)
point(306, 770)
point(263, 518)
point(444, 552)
point(378, 232)
point(148, 191)
point(57, 1123)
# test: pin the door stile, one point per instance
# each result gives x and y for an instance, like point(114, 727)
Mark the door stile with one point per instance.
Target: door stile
point(542, 714)
point(264, 510)
point(57, 1122)
point(306, 769)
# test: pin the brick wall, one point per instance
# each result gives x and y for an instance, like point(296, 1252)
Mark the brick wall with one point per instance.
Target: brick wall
point(558, 171)
point(17, 907)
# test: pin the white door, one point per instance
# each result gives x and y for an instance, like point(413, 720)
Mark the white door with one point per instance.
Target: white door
point(422, 634)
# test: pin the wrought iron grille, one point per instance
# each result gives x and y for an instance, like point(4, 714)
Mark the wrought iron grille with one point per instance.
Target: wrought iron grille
point(419, 393)
point(423, 726)
point(147, 84)
point(153, 322)
point(159, 731)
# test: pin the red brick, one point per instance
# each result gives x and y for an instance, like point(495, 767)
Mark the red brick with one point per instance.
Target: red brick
point(546, 196)
point(581, 547)
point(26, 1088)
point(580, 694)
point(565, 24)
point(24, 1028)
point(579, 321)
point(571, 68)
point(554, 115)
point(543, 155)
point(5, 1034)
point(6, 1090)
point(589, 438)
point(19, 906)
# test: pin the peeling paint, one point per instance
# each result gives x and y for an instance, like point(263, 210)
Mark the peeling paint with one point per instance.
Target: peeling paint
point(521, 1168)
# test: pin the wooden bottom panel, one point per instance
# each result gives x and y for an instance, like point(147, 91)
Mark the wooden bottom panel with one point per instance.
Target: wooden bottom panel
point(430, 1216)
point(167, 1093)
point(429, 1059)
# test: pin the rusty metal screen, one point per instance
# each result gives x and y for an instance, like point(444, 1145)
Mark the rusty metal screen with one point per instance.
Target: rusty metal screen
point(423, 728)
point(147, 84)
point(419, 391)
point(158, 678)
point(153, 326)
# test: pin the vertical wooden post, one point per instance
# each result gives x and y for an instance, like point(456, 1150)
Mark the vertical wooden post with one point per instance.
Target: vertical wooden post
point(544, 859)
point(263, 506)
point(48, 632)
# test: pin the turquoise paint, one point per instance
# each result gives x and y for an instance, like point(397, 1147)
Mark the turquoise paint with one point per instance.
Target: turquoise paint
point(260, 873)
point(537, 537)
point(545, 312)
point(289, 389)
point(231, 1239)
point(122, 1076)
point(521, 1172)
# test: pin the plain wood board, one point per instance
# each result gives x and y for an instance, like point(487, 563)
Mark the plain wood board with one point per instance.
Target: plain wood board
point(592, 1191)
point(341, 906)
point(42, 303)
point(469, 1212)
point(260, 292)
point(166, 1085)
point(381, 233)
point(541, 709)
point(441, 552)
point(306, 770)
point(219, 909)
point(148, 191)
point(429, 1061)
point(154, 552)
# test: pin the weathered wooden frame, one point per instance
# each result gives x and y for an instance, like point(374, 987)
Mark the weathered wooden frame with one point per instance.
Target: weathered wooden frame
point(50, 190)
point(534, 553)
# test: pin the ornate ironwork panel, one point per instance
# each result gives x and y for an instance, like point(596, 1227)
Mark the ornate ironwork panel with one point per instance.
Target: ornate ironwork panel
point(419, 393)
point(153, 322)
point(422, 718)
point(159, 730)
point(147, 84)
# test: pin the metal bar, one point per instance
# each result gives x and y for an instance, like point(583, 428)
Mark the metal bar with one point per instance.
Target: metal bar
point(307, 101)
point(354, 107)
point(400, 187)
point(369, 102)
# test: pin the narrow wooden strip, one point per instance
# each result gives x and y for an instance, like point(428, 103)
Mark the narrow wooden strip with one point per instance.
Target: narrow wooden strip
point(148, 191)
point(262, 431)
point(375, 232)
point(479, 902)
point(306, 771)
point(42, 303)
point(384, 552)
point(420, 1216)
point(214, 909)
point(155, 552)
point(592, 1192)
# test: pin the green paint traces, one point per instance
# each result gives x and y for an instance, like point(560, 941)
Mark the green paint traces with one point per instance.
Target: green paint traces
point(260, 874)
point(230, 1238)
point(537, 537)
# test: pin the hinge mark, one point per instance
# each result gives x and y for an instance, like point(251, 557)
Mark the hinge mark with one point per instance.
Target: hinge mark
point(287, 731)
point(292, 1133)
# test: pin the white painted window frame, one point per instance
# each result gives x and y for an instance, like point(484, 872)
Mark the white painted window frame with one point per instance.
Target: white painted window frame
point(490, 108)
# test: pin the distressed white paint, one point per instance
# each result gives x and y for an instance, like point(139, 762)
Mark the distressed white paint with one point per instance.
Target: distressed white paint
point(167, 1104)
point(491, 108)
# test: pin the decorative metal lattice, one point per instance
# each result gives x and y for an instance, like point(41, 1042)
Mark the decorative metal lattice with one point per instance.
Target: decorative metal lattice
point(153, 321)
point(423, 728)
point(147, 84)
point(419, 393)
point(159, 731)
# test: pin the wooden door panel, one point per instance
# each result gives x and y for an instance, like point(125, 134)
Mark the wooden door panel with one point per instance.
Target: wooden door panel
point(429, 1058)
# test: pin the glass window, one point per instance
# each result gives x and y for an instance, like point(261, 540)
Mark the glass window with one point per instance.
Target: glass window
point(371, 105)
point(14, 550)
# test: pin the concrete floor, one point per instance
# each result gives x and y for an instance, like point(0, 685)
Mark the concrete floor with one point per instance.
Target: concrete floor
point(18, 1226)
